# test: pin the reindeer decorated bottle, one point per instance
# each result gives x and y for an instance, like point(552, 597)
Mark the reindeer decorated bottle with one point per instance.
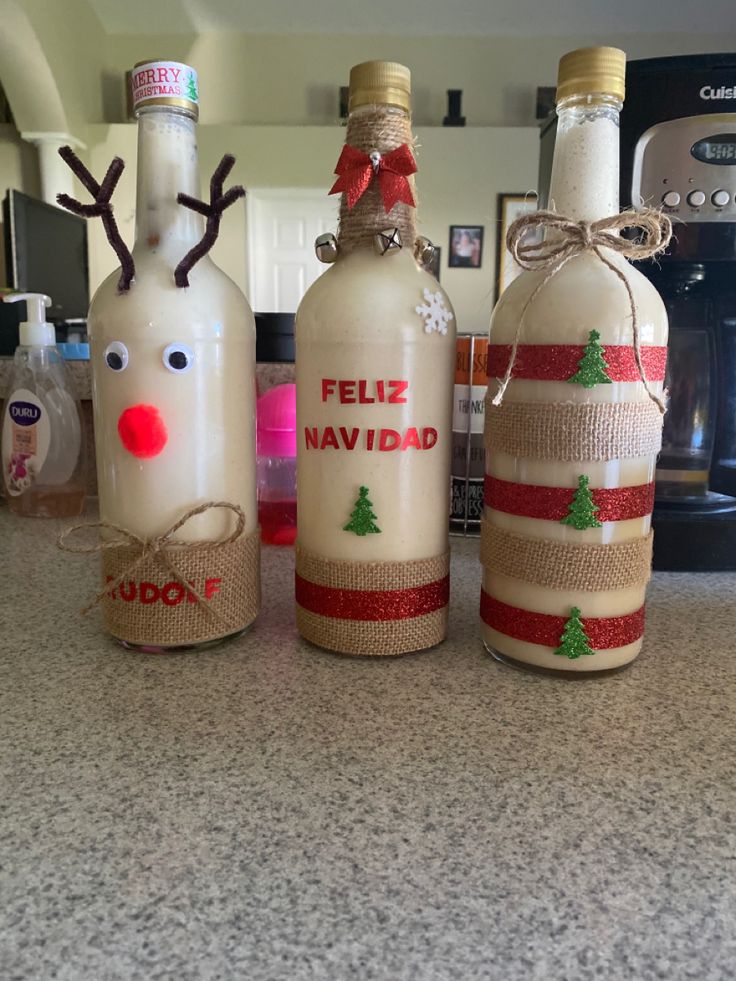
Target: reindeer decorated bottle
point(570, 452)
point(375, 342)
point(174, 394)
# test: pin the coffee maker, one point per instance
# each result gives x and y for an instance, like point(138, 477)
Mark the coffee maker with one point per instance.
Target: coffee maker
point(678, 153)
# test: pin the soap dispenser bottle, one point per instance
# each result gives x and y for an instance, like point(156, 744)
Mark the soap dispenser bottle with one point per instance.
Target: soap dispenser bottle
point(42, 446)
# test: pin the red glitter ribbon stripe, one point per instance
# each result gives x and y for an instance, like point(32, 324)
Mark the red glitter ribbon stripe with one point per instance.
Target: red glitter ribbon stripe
point(372, 604)
point(559, 362)
point(552, 503)
point(542, 628)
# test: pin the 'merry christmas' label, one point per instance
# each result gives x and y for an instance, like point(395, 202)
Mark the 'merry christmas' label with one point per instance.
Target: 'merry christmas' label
point(164, 80)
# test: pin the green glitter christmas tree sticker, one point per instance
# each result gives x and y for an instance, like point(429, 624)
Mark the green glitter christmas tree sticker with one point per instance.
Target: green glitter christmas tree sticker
point(592, 367)
point(192, 92)
point(362, 519)
point(582, 510)
point(574, 642)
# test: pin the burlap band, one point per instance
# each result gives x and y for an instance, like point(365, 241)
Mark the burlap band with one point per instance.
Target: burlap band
point(152, 608)
point(372, 608)
point(378, 128)
point(570, 431)
point(566, 565)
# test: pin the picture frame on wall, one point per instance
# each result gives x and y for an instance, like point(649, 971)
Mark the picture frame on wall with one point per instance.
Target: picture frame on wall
point(466, 247)
point(509, 208)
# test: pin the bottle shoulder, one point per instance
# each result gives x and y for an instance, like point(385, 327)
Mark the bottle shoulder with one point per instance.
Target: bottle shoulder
point(366, 291)
point(212, 300)
point(583, 295)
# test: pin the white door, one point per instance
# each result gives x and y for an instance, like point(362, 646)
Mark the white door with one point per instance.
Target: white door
point(282, 227)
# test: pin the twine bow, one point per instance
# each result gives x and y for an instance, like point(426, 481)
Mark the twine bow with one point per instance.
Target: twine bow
point(573, 238)
point(356, 170)
point(159, 546)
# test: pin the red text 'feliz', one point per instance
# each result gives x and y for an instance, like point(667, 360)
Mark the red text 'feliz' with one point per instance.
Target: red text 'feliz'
point(349, 391)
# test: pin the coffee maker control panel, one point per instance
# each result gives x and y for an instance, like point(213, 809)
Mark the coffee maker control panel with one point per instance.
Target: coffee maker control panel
point(687, 167)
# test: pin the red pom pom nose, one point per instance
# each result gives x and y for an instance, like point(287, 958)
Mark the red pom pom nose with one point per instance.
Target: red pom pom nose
point(142, 431)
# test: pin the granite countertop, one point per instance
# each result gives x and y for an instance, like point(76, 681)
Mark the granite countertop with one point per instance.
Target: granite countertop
point(269, 811)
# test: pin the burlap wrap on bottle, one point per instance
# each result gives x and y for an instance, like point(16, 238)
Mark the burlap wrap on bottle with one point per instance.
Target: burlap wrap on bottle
point(166, 592)
point(152, 607)
point(383, 129)
point(372, 608)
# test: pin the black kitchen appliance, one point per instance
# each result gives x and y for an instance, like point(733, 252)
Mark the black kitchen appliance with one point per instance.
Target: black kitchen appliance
point(45, 252)
point(678, 152)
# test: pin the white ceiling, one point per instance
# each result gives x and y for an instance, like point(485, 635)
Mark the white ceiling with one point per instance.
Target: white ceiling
point(454, 18)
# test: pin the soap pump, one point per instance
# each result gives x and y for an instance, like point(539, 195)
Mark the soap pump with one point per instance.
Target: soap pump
point(42, 445)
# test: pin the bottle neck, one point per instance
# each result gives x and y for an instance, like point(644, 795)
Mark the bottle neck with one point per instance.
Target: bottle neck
point(585, 167)
point(167, 166)
point(376, 128)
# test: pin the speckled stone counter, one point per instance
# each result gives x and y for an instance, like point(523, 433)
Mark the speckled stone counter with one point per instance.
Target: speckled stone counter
point(270, 811)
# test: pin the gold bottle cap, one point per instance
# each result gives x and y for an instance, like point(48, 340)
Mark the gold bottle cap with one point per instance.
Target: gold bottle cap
point(165, 83)
point(592, 71)
point(383, 83)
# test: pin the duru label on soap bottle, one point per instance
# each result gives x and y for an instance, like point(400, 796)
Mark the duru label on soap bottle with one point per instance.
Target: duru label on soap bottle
point(25, 442)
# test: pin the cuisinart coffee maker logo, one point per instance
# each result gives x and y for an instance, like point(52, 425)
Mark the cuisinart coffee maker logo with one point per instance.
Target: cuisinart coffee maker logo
point(723, 92)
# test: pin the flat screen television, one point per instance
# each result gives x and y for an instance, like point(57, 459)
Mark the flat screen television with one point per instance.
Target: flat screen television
point(46, 252)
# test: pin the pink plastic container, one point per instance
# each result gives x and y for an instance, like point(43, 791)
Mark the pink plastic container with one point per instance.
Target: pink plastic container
point(276, 464)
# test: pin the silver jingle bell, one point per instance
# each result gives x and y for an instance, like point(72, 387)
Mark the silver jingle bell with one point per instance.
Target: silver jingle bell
point(387, 241)
point(424, 251)
point(325, 247)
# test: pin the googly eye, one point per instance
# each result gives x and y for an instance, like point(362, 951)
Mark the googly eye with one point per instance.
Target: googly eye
point(178, 358)
point(116, 356)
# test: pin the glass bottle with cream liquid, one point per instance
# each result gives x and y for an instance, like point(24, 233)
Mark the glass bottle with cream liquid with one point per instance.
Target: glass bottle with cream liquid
point(375, 344)
point(572, 513)
point(173, 375)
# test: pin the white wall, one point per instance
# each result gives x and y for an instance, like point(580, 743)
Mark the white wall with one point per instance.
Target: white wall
point(293, 80)
point(272, 100)
point(460, 173)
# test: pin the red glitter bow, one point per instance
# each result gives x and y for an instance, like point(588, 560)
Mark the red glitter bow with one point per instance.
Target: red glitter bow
point(355, 171)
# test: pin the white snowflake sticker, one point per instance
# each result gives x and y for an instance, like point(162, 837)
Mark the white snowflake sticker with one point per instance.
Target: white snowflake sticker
point(435, 313)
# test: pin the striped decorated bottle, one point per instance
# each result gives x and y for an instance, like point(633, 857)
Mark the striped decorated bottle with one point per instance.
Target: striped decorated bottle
point(571, 450)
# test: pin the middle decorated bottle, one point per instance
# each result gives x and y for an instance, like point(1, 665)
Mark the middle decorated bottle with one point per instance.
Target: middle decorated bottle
point(375, 346)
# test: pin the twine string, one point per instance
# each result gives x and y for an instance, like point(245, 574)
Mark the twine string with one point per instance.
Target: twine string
point(159, 547)
point(574, 238)
point(380, 129)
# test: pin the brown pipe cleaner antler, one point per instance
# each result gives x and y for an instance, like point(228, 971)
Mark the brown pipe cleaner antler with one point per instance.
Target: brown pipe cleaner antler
point(102, 208)
point(212, 212)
